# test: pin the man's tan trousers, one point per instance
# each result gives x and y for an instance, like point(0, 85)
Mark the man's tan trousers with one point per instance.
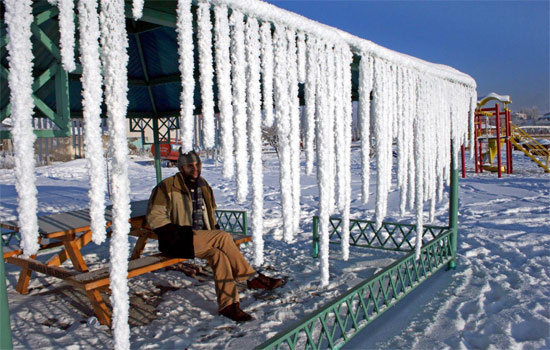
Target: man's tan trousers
point(226, 260)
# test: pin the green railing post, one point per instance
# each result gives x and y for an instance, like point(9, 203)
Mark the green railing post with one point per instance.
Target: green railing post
point(315, 252)
point(157, 149)
point(5, 328)
point(245, 223)
point(453, 210)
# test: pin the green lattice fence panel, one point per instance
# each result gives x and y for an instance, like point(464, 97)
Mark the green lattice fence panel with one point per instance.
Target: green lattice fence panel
point(233, 221)
point(390, 236)
point(10, 237)
point(338, 321)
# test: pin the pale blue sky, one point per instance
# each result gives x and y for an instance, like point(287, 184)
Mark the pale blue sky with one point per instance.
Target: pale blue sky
point(503, 45)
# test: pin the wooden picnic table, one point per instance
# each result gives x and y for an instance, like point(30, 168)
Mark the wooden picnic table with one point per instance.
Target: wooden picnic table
point(71, 231)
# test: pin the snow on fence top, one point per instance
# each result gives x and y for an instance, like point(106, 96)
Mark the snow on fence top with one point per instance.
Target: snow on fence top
point(424, 107)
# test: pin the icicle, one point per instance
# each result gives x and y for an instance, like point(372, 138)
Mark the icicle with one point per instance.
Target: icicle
point(294, 134)
point(412, 98)
point(301, 45)
point(267, 72)
point(223, 76)
point(92, 97)
point(419, 192)
point(365, 87)
point(66, 34)
point(255, 135)
point(383, 132)
point(323, 129)
point(331, 78)
point(184, 28)
point(339, 136)
point(204, 35)
point(282, 118)
point(18, 18)
point(402, 162)
point(419, 156)
point(238, 75)
point(309, 96)
point(115, 60)
point(347, 59)
point(137, 9)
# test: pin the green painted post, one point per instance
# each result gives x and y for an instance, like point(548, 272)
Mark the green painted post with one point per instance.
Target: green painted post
point(5, 328)
point(453, 210)
point(63, 115)
point(245, 223)
point(157, 149)
point(315, 252)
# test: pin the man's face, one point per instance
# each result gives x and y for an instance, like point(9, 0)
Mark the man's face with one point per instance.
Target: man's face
point(191, 170)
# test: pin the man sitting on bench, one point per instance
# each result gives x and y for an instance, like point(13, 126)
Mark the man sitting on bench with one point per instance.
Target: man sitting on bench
point(181, 212)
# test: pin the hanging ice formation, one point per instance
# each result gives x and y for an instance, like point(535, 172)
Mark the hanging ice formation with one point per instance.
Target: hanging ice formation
point(254, 114)
point(309, 96)
point(282, 119)
point(66, 31)
point(365, 88)
point(238, 76)
point(137, 9)
point(204, 36)
point(92, 96)
point(345, 65)
point(184, 28)
point(294, 134)
point(323, 133)
point(18, 17)
point(223, 76)
point(114, 44)
point(419, 105)
point(267, 73)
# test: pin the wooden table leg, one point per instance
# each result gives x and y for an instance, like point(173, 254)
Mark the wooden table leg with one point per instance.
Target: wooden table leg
point(140, 245)
point(100, 308)
point(24, 279)
point(60, 258)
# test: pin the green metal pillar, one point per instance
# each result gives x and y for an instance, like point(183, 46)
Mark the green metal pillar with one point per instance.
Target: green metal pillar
point(157, 149)
point(453, 210)
point(5, 328)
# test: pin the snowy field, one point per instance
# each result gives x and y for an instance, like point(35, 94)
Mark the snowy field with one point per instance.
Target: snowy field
point(498, 297)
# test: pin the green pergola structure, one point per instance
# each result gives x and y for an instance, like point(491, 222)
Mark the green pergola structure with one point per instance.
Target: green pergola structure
point(154, 87)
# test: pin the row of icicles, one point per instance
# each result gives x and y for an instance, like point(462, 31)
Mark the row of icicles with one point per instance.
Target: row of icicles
point(257, 66)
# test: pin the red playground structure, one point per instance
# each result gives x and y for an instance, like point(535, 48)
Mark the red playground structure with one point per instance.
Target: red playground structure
point(493, 132)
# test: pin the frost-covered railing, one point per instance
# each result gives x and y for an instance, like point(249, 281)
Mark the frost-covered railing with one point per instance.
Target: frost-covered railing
point(345, 316)
point(363, 233)
point(233, 221)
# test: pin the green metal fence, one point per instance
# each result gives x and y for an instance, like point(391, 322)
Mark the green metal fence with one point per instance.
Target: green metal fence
point(363, 233)
point(338, 321)
point(233, 221)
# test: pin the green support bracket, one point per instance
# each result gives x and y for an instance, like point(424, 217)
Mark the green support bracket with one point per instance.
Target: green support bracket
point(5, 328)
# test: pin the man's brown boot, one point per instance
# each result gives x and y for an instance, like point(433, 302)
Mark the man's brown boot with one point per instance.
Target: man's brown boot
point(235, 313)
point(264, 282)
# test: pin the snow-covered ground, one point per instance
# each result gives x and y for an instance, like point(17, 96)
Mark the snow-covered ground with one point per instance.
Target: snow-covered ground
point(498, 297)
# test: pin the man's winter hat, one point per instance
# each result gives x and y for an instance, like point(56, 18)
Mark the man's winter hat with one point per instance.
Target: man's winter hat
point(186, 158)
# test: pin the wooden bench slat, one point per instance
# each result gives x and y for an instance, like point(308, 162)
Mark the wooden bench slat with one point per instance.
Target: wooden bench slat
point(38, 266)
point(100, 278)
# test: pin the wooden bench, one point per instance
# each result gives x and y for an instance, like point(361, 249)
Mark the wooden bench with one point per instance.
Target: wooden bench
point(94, 281)
point(71, 231)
